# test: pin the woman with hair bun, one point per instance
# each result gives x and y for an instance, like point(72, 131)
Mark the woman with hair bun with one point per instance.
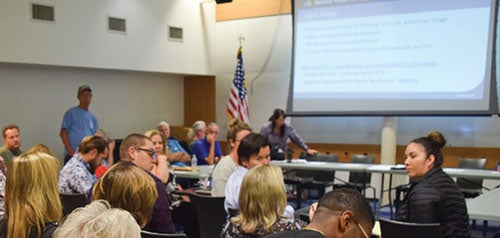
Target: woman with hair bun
point(433, 196)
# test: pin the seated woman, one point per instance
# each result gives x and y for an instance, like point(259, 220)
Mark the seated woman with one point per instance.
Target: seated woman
point(128, 187)
point(262, 201)
point(32, 204)
point(98, 219)
point(433, 196)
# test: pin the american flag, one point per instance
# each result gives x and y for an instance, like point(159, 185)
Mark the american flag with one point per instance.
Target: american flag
point(238, 100)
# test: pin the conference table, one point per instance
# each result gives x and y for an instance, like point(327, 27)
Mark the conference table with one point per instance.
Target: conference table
point(485, 207)
point(203, 171)
point(300, 164)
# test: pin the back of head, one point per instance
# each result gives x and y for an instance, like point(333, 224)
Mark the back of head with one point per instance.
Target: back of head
point(98, 219)
point(251, 144)
point(92, 142)
point(128, 187)
point(235, 126)
point(40, 148)
point(103, 134)
point(432, 144)
point(262, 198)
point(31, 193)
point(132, 140)
point(343, 199)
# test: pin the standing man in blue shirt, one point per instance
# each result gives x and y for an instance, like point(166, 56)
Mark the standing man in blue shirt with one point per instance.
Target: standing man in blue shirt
point(78, 122)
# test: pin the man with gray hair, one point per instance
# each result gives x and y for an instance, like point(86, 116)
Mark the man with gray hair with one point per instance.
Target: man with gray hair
point(176, 154)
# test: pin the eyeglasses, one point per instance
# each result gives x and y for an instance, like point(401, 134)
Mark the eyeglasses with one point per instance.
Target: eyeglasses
point(360, 227)
point(150, 152)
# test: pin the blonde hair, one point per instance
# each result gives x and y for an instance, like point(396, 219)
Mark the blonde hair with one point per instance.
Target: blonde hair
point(40, 148)
point(128, 187)
point(31, 194)
point(262, 198)
point(152, 133)
point(98, 219)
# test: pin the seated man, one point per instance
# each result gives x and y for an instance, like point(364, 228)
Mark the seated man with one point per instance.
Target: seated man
point(78, 175)
point(12, 143)
point(253, 151)
point(342, 212)
point(176, 154)
point(138, 149)
point(207, 149)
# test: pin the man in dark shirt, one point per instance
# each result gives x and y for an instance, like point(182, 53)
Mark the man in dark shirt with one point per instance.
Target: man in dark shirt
point(138, 149)
point(342, 212)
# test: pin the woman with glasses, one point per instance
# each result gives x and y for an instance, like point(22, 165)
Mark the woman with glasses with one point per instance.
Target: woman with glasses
point(262, 202)
point(433, 196)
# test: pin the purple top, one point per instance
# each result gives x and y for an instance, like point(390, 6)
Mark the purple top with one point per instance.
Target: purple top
point(278, 142)
point(161, 220)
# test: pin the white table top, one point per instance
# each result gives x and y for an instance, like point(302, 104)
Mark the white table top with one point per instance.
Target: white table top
point(318, 165)
point(485, 206)
point(453, 172)
point(204, 171)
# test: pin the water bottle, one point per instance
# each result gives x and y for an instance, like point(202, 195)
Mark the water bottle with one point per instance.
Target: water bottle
point(194, 163)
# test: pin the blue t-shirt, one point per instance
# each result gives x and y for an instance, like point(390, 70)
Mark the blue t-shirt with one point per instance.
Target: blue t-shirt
point(78, 124)
point(201, 147)
point(175, 146)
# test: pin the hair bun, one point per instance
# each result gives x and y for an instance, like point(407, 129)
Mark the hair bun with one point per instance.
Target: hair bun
point(437, 137)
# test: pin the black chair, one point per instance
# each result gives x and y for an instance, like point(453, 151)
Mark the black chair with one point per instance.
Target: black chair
point(398, 229)
point(360, 180)
point(149, 234)
point(210, 213)
point(315, 182)
point(471, 187)
point(72, 201)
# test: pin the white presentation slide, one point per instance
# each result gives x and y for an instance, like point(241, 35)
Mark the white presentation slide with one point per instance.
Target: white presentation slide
point(393, 49)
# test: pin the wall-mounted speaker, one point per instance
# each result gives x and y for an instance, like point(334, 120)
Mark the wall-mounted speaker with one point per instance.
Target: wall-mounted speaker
point(223, 1)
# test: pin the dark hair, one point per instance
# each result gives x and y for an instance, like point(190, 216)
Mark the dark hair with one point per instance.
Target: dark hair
point(276, 115)
point(342, 199)
point(8, 127)
point(432, 144)
point(135, 140)
point(249, 145)
point(93, 142)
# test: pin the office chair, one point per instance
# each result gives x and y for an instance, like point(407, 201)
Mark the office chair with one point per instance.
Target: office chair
point(210, 213)
point(360, 180)
point(149, 234)
point(313, 181)
point(398, 229)
point(72, 201)
point(471, 187)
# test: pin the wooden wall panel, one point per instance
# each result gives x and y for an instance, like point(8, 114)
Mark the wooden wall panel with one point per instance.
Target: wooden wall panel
point(199, 99)
point(239, 9)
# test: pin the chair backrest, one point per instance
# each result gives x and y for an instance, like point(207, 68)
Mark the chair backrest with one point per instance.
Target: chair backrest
point(325, 176)
point(321, 176)
point(210, 213)
point(359, 177)
point(472, 185)
point(149, 234)
point(72, 201)
point(398, 229)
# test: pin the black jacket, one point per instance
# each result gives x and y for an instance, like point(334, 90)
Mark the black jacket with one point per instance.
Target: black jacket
point(436, 198)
